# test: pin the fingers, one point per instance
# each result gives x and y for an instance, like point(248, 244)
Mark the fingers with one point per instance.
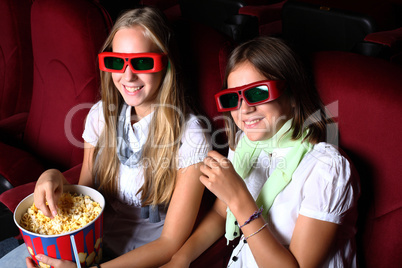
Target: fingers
point(29, 262)
point(40, 202)
point(45, 199)
point(215, 155)
point(55, 262)
point(45, 259)
point(205, 180)
point(214, 165)
point(215, 159)
point(210, 162)
point(51, 202)
point(47, 192)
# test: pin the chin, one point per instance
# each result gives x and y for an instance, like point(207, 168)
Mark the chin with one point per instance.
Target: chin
point(257, 136)
point(130, 101)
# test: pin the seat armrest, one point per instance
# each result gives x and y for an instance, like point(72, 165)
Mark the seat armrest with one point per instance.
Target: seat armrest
point(18, 166)
point(12, 197)
point(73, 174)
point(392, 39)
point(7, 225)
point(264, 13)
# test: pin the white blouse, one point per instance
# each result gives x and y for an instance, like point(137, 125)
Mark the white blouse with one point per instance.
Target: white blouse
point(124, 229)
point(321, 188)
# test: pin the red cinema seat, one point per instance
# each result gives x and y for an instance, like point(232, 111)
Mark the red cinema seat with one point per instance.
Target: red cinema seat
point(66, 38)
point(364, 95)
point(391, 41)
point(16, 67)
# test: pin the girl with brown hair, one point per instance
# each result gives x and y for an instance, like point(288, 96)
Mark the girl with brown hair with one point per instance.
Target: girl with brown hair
point(284, 189)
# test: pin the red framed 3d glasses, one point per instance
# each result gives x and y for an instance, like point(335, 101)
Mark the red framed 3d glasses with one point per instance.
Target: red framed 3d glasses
point(253, 94)
point(138, 62)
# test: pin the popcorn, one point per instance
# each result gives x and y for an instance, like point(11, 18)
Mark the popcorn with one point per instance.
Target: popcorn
point(74, 211)
point(43, 265)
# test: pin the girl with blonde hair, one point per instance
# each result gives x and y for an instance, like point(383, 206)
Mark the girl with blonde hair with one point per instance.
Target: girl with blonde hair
point(142, 148)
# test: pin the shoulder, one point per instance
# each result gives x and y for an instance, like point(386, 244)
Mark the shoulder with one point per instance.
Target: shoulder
point(194, 122)
point(195, 142)
point(94, 124)
point(195, 130)
point(96, 111)
point(330, 188)
point(326, 161)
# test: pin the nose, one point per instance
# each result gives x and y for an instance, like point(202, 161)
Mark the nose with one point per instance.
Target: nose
point(245, 108)
point(129, 75)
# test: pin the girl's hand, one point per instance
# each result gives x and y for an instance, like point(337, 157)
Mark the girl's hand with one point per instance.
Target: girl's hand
point(50, 261)
point(221, 178)
point(48, 188)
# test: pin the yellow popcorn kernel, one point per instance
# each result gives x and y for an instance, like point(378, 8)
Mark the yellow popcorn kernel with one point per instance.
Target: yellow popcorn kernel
point(90, 259)
point(97, 243)
point(82, 256)
point(43, 265)
point(74, 211)
point(30, 251)
point(98, 258)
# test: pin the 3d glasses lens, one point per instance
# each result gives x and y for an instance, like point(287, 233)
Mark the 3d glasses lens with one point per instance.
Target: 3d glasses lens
point(229, 100)
point(257, 94)
point(114, 63)
point(142, 64)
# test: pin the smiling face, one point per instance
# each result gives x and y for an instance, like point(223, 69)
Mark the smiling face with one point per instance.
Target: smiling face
point(259, 122)
point(138, 90)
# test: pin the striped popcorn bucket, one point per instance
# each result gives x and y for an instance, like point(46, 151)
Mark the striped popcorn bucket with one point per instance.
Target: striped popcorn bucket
point(82, 246)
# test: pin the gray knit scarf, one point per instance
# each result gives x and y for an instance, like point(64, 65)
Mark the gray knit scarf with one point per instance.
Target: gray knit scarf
point(130, 158)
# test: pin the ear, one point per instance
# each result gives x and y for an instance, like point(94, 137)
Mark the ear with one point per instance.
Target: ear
point(291, 99)
point(292, 102)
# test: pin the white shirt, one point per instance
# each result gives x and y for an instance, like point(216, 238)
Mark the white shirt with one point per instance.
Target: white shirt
point(124, 230)
point(321, 188)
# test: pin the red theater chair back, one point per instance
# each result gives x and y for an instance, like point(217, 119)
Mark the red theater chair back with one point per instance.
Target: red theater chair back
point(15, 59)
point(66, 38)
point(365, 94)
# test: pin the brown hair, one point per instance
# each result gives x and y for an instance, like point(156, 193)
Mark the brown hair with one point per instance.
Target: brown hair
point(275, 60)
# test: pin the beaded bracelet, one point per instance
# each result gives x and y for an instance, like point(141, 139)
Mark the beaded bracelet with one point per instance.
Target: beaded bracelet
point(259, 230)
point(255, 215)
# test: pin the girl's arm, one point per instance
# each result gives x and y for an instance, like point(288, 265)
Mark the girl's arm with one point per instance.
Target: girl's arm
point(311, 240)
point(86, 177)
point(309, 247)
point(210, 229)
point(179, 222)
point(49, 186)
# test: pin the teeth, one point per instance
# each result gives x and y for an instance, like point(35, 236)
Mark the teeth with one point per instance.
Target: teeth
point(132, 89)
point(251, 122)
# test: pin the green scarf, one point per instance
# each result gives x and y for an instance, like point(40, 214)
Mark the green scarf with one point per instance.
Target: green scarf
point(247, 153)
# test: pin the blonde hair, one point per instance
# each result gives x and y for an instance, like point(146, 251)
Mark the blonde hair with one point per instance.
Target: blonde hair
point(159, 157)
